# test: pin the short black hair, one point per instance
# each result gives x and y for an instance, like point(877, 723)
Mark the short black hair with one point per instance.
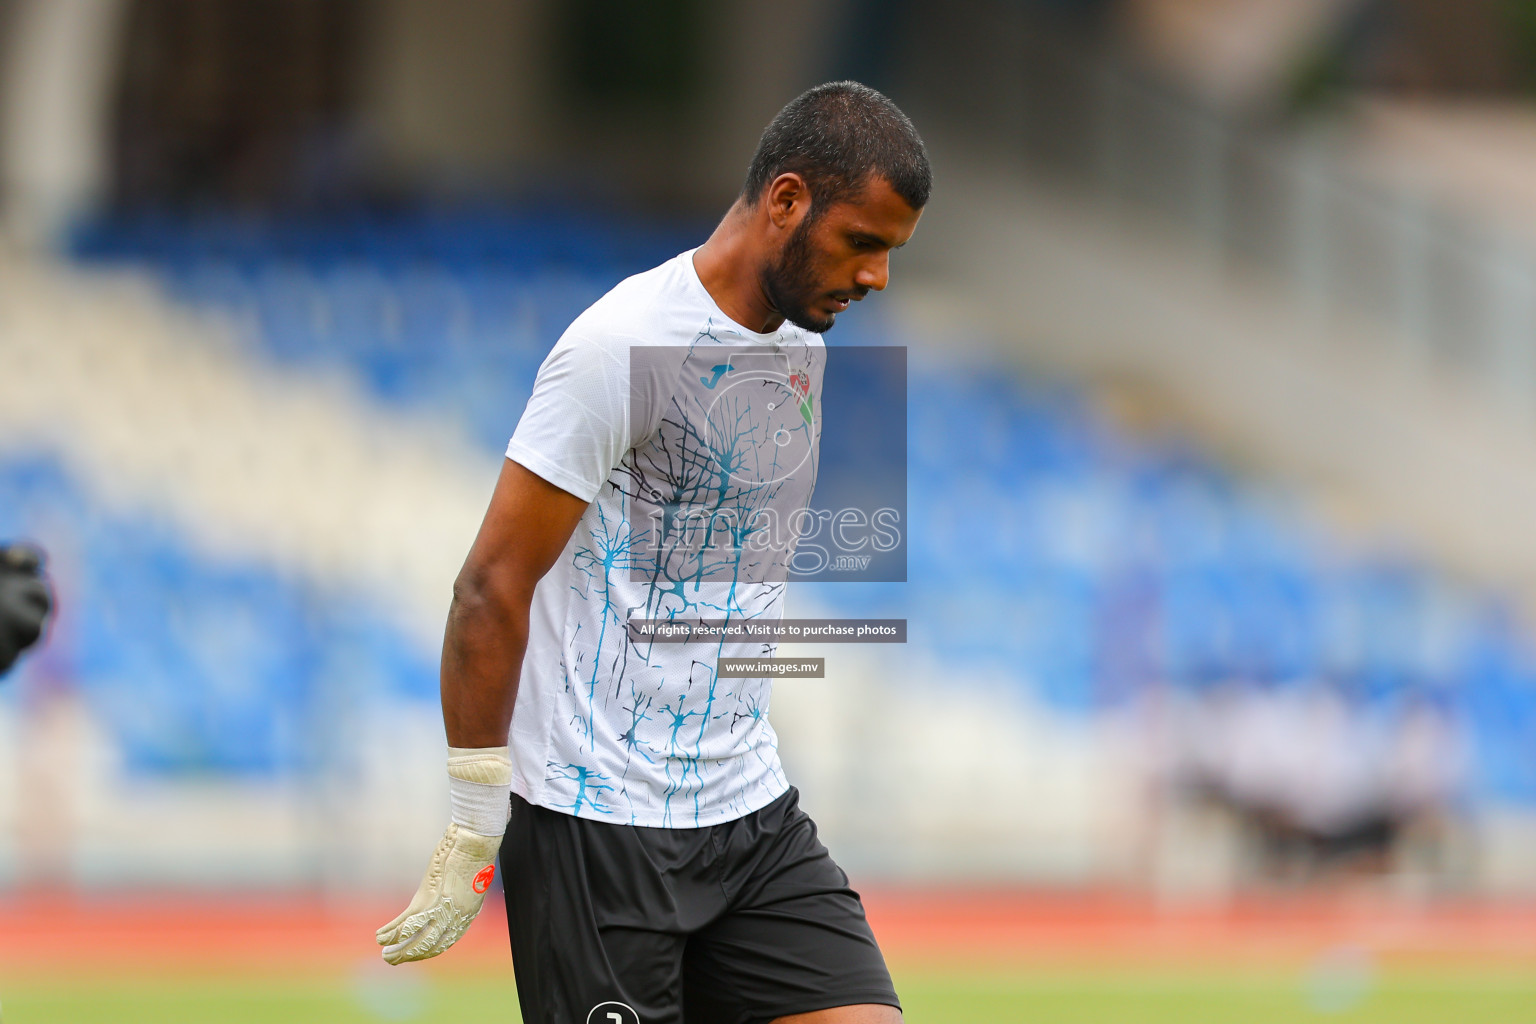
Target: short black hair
point(835, 136)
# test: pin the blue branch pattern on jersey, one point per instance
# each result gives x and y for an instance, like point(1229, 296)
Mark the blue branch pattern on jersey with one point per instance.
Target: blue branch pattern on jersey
point(692, 524)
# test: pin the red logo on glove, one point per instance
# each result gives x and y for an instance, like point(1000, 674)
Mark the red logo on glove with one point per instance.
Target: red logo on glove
point(483, 879)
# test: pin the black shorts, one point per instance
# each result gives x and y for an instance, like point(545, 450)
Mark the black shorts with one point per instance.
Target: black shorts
point(736, 923)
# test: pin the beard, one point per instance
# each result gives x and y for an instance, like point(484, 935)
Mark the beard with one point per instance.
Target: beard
point(789, 282)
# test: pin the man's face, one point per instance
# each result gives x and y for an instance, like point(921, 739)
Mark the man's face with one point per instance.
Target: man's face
point(836, 255)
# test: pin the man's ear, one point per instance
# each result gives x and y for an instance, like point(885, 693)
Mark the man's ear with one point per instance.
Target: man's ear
point(788, 200)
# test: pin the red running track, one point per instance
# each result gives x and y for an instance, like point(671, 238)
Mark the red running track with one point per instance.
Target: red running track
point(173, 933)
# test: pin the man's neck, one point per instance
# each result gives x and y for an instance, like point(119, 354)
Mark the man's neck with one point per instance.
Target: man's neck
point(728, 265)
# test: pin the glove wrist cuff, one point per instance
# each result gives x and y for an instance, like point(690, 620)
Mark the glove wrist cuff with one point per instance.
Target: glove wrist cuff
point(480, 789)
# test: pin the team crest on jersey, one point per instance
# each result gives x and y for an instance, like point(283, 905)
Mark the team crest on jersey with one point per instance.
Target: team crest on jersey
point(800, 384)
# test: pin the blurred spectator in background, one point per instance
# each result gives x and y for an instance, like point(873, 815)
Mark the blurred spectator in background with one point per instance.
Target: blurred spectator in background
point(24, 601)
point(1321, 786)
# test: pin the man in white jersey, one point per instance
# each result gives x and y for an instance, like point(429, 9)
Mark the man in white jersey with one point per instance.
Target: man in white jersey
point(656, 864)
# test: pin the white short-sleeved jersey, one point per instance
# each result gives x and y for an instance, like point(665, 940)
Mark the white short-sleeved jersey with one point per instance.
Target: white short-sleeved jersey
point(696, 442)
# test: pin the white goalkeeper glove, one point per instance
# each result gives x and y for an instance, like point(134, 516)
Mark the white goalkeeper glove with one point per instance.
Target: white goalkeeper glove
point(464, 863)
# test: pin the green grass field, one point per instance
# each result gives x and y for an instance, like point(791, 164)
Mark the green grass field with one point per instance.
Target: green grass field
point(1036, 996)
point(959, 957)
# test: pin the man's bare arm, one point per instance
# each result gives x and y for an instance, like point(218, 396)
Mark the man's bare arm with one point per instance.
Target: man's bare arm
point(524, 531)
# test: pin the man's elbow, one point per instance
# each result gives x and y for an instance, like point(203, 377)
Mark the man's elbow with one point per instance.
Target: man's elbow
point(490, 589)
